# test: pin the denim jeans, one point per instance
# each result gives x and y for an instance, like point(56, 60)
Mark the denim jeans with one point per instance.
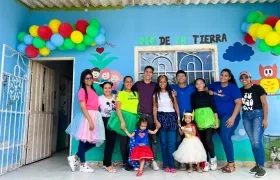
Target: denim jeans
point(226, 134)
point(252, 121)
point(168, 147)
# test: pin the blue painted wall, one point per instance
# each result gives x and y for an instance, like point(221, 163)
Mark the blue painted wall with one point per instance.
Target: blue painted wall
point(125, 26)
point(13, 18)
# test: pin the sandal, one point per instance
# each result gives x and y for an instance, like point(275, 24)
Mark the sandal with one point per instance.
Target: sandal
point(139, 173)
point(110, 169)
point(167, 169)
point(190, 170)
point(172, 170)
point(228, 168)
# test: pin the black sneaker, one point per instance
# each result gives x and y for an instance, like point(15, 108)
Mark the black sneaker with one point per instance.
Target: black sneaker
point(128, 168)
point(254, 169)
point(260, 173)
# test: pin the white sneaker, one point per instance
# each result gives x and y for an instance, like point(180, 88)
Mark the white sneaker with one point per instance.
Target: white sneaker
point(213, 164)
point(72, 162)
point(86, 168)
point(206, 168)
point(136, 169)
point(154, 166)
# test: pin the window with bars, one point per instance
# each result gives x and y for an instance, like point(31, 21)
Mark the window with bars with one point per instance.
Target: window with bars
point(198, 61)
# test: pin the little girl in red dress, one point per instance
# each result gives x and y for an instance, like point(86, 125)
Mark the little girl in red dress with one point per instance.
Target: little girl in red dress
point(142, 152)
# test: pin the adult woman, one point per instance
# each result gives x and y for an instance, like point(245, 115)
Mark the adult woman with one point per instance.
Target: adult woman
point(227, 98)
point(206, 118)
point(164, 108)
point(107, 103)
point(125, 117)
point(255, 113)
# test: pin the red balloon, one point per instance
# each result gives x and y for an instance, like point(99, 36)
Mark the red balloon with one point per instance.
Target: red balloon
point(271, 20)
point(65, 30)
point(45, 33)
point(31, 51)
point(82, 25)
point(249, 39)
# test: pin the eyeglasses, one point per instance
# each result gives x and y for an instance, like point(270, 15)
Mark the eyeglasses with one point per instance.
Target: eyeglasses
point(88, 79)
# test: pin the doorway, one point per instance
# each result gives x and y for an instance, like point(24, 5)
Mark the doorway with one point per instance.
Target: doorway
point(50, 107)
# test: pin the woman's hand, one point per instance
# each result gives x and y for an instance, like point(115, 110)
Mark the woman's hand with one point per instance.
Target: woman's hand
point(174, 93)
point(230, 122)
point(211, 92)
point(91, 125)
point(265, 124)
point(158, 125)
point(123, 127)
point(217, 125)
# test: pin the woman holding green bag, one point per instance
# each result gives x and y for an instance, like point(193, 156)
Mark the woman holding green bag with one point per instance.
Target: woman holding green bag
point(206, 119)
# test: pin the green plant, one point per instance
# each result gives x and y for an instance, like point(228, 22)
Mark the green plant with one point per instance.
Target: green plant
point(100, 61)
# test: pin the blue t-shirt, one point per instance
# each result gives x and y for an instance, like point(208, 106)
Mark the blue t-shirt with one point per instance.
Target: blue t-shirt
point(184, 97)
point(224, 98)
point(141, 137)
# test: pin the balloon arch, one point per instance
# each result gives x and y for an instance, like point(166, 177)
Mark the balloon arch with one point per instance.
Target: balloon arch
point(60, 35)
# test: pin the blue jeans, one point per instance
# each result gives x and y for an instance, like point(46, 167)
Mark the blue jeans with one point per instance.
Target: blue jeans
point(168, 147)
point(252, 121)
point(225, 135)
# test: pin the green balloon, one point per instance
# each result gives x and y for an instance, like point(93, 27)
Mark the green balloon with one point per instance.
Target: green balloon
point(81, 47)
point(276, 50)
point(20, 36)
point(92, 31)
point(263, 47)
point(261, 19)
point(68, 44)
point(94, 22)
point(62, 48)
point(38, 42)
point(87, 40)
point(253, 16)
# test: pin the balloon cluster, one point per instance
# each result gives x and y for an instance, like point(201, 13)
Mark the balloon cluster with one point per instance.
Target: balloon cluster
point(59, 35)
point(264, 31)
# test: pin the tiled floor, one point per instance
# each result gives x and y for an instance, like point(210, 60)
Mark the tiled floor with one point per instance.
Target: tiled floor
point(56, 168)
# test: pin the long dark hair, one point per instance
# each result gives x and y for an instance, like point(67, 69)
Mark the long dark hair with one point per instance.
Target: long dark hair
point(168, 89)
point(82, 81)
point(232, 79)
point(199, 79)
point(132, 89)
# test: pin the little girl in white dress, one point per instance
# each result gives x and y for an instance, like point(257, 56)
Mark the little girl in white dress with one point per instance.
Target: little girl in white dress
point(191, 149)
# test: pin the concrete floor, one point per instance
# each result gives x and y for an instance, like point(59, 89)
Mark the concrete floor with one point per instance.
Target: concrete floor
point(56, 168)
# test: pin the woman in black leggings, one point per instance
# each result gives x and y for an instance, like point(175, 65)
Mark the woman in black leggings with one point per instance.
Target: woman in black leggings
point(206, 119)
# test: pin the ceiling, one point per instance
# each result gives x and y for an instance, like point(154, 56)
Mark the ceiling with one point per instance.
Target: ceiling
point(92, 4)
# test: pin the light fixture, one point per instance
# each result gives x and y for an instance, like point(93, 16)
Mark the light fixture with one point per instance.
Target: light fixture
point(86, 7)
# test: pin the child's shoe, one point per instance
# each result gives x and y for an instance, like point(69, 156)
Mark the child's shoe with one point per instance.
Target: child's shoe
point(213, 164)
point(73, 162)
point(139, 172)
point(86, 168)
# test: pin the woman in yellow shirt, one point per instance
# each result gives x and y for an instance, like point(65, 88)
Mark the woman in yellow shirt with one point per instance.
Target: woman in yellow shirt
point(125, 117)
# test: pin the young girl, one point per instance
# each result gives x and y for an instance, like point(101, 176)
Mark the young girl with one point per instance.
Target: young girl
point(141, 152)
point(191, 149)
point(87, 126)
point(166, 114)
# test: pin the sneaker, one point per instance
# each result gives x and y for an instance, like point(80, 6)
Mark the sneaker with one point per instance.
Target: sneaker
point(260, 173)
point(136, 169)
point(86, 168)
point(207, 167)
point(254, 170)
point(154, 166)
point(213, 164)
point(72, 162)
point(127, 167)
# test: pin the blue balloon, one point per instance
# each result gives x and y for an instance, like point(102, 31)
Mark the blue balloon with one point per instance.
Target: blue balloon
point(50, 46)
point(102, 30)
point(28, 39)
point(244, 27)
point(99, 39)
point(21, 48)
point(247, 28)
point(57, 40)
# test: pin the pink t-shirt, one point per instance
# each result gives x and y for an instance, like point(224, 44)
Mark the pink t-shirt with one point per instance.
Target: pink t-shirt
point(92, 100)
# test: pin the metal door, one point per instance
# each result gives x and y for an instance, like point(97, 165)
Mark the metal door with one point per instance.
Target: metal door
point(40, 124)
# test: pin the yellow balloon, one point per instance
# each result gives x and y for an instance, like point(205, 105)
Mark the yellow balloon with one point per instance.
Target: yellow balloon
point(260, 13)
point(44, 51)
point(93, 44)
point(277, 26)
point(272, 38)
point(253, 29)
point(263, 30)
point(77, 37)
point(33, 30)
point(54, 25)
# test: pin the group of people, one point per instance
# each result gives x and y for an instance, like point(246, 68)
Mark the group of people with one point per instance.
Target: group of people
point(185, 117)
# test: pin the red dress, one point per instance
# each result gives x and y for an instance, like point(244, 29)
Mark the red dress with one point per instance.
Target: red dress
point(141, 149)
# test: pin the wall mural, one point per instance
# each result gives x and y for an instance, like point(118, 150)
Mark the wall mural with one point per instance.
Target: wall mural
point(60, 35)
point(100, 71)
point(238, 52)
point(262, 30)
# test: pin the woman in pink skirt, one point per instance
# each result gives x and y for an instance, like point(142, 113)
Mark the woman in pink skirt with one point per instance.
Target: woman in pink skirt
point(87, 126)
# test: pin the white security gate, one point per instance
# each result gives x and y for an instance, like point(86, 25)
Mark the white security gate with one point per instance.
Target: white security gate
point(39, 136)
point(14, 93)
